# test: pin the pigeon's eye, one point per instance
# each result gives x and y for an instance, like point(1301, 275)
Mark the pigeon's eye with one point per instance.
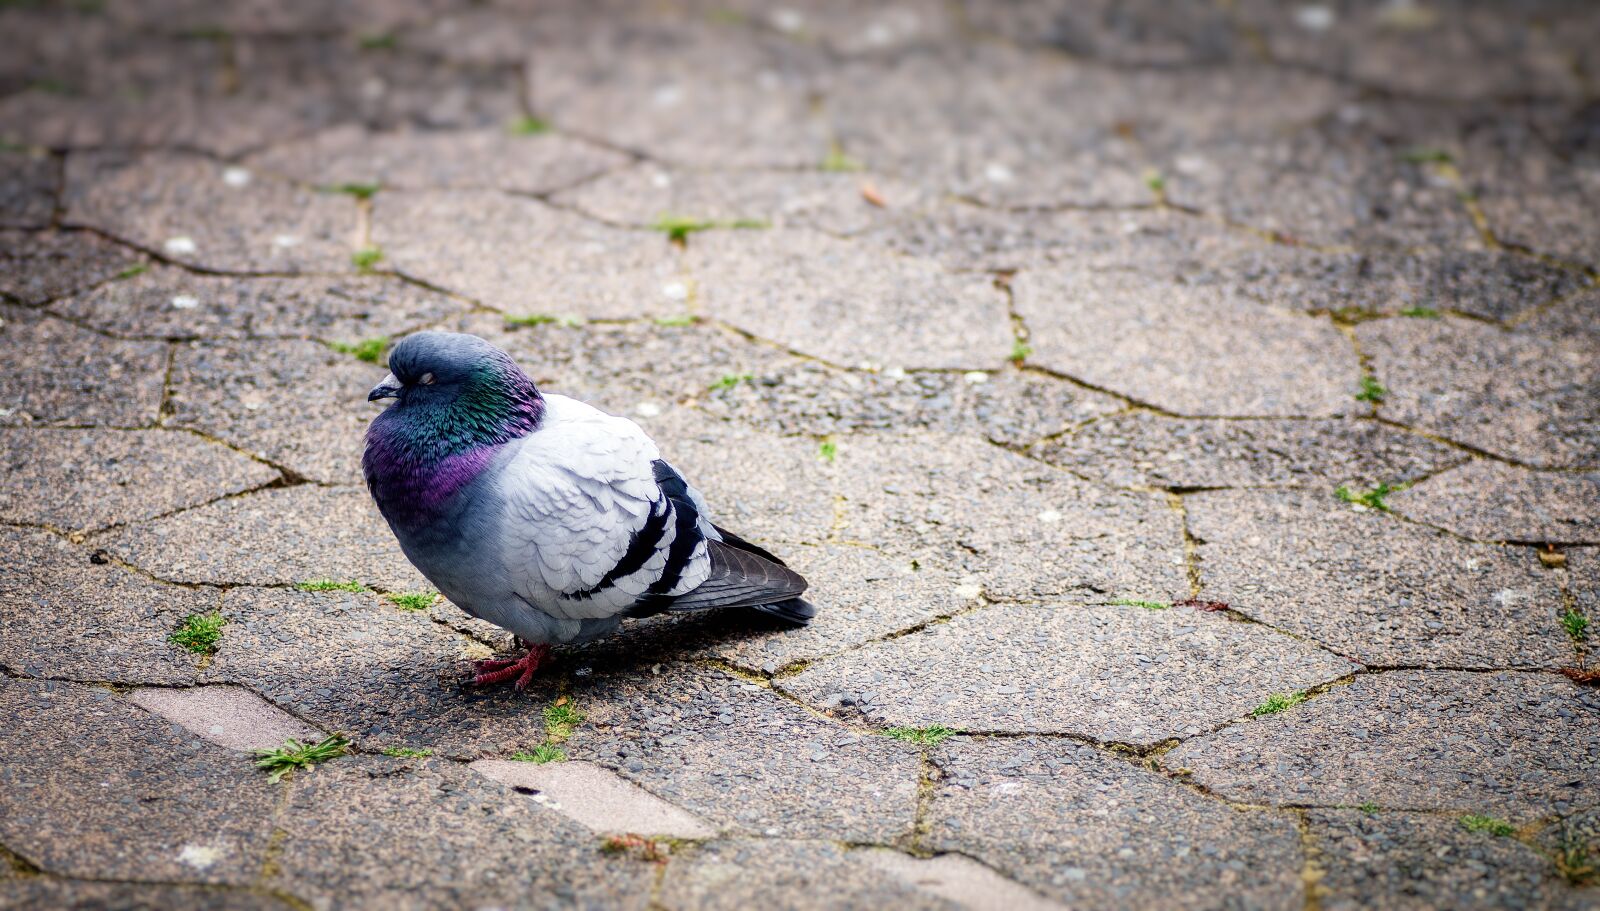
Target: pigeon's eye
point(426, 379)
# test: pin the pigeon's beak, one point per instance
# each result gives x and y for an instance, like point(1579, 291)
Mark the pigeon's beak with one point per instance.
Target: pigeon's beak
point(388, 389)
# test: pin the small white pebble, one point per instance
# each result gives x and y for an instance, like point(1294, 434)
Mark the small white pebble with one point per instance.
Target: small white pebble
point(996, 172)
point(788, 20)
point(198, 856)
point(895, 373)
point(675, 291)
point(660, 179)
point(236, 177)
point(667, 96)
point(647, 409)
point(284, 241)
point(969, 591)
point(179, 245)
point(974, 377)
point(185, 302)
point(1050, 515)
point(1315, 18)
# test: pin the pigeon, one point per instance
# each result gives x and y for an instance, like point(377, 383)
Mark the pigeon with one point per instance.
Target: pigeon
point(544, 515)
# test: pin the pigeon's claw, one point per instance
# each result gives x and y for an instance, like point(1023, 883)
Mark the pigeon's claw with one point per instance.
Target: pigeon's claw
point(499, 670)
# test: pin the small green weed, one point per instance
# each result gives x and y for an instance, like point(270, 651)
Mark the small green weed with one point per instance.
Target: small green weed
point(541, 754)
point(1371, 390)
point(838, 162)
point(1473, 822)
point(366, 257)
point(928, 736)
point(679, 227)
point(133, 271)
point(1147, 605)
point(1420, 313)
point(414, 600)
point(406, 753)
point(358, 190)
point(1020, 351)
point(368, 349)
point(1278, 702)
point(544, 319)
point(281, 761)
point(730, 380)
point(528, 126)
point(329, 585)
point(1155, 181)
point(677, 320)
point(1426, 155)
point(1576, 624)
point(560, 719)
point(1368, 808)
point(199, 633)
point(1372, 499)
point(382, 41)
point(828, 451)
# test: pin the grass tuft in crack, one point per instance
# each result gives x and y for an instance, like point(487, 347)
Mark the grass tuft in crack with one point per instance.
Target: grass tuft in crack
point(413, 601)
point(838, 162)
point(541, 754)
point(1473, 822)
point(731, 380)
point(368, 349)
point(1019, 352)
point(1420, 313)
point(199, 633)
point(677, 320)
point(528, 126)
point(1576, 625)
point(134, 271)
point(560, 718)
point(1134, 602)
point(679, 227)
point(1278, 702)
point(282, 761)
point(406, 753)
point(928, 736)
point(828, 451)
point(1371, 499)
point(544, 319)
point(1371, 390)
point(358, 190)
point(366, 257)
point(330, 585)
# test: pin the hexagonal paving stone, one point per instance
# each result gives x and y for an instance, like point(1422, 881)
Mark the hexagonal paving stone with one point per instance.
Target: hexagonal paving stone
point(271, 537)
point(785, 876)
point(524, 257)
point(1147, 449)
point(27, 189)
point(1375, 589)
point(850, 303)
point(87, 479)
point(61, 374)
point(741, 757)
point(67, 615)
point(1096, 831)
point(469, 842)
point(167, 805)
point(298, 404)
point(37, 893)
point(1515, 745)
point(179, 304)
point(1492, 501)
point(1190, 349)
point(475, 159)
point(684, 92)
point(1122, 673)
point(202, 213)
point(1398, 860)
point(36, 266)
point(1520, 395)
point(1024, 529)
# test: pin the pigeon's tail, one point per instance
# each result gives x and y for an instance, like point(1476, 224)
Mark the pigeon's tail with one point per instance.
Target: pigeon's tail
point(795, 611)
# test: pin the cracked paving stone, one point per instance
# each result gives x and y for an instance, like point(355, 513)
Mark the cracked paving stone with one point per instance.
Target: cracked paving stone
point(299, 404)
point(960, 879)
point(37, 893)
point(1375, 589)
point(37, 266)
point(457, 159)
point(521, 256)
point(66, 615)
point(202, 213)
point(596, 798)
point(1402, 860)
point(1119, 674)
point(228, 716)
point(1515, 745)
point(695, 94)
point(1194, 350)
point(165, 804)
point(468, 843)
point(1023, 528)
point(355, 663)
point(740, 756)
point(178, 304)
point(1145, 449)
point(271, 537)
point(61, 374)
point(1520, 395)
point(1539, 183)
point(81, 480)
point(1492, 501)
point(1097, 831)
point(1146, 33)
point(27, 189)
point(850, 303)
point(738, 874)
point(834, 203)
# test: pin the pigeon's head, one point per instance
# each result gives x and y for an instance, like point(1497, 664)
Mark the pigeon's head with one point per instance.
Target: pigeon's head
point(458, 386)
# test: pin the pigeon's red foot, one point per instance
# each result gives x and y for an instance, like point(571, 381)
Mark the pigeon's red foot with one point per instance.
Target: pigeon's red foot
point(499, 670)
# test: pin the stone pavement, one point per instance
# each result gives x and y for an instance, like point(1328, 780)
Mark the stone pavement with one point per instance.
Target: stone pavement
point(1188, 416)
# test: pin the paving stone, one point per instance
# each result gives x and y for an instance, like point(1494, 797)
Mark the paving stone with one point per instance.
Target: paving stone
point(1024, 529)
point(202, 213)
point(27, 189)
point(61, 374)
point(522, 256)
point(1492, 501)
point(1120, 674)
point(470, 842)
point(270, 537)
point(961, 880)
point(427, 160)
point(1538, 181)
point(684, 93)
point(1519, 395)
point(67, 616)
point(1398, 860)
point(1045, 811)
point(742, 758)
point(1584, 583)
point(1377, 590)
point(166, 805)
point(178, 304)
point(1515, 745)
point(1574, 844)
point(36, 266)
point(82, 480)
point(226, 715)
point(785, 876)
point(299, 404)
point(1145, 449)
point(595, 798)
point(850, 29)
point(848, 303)
point(37, 893)
point(371, 17)
point(1141, 33)
point(1194, 350)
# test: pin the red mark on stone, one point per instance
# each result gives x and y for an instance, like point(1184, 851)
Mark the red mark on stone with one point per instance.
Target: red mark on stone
point(1197, 604)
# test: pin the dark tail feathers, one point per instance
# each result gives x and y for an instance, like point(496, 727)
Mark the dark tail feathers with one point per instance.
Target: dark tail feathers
point(795, 611)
